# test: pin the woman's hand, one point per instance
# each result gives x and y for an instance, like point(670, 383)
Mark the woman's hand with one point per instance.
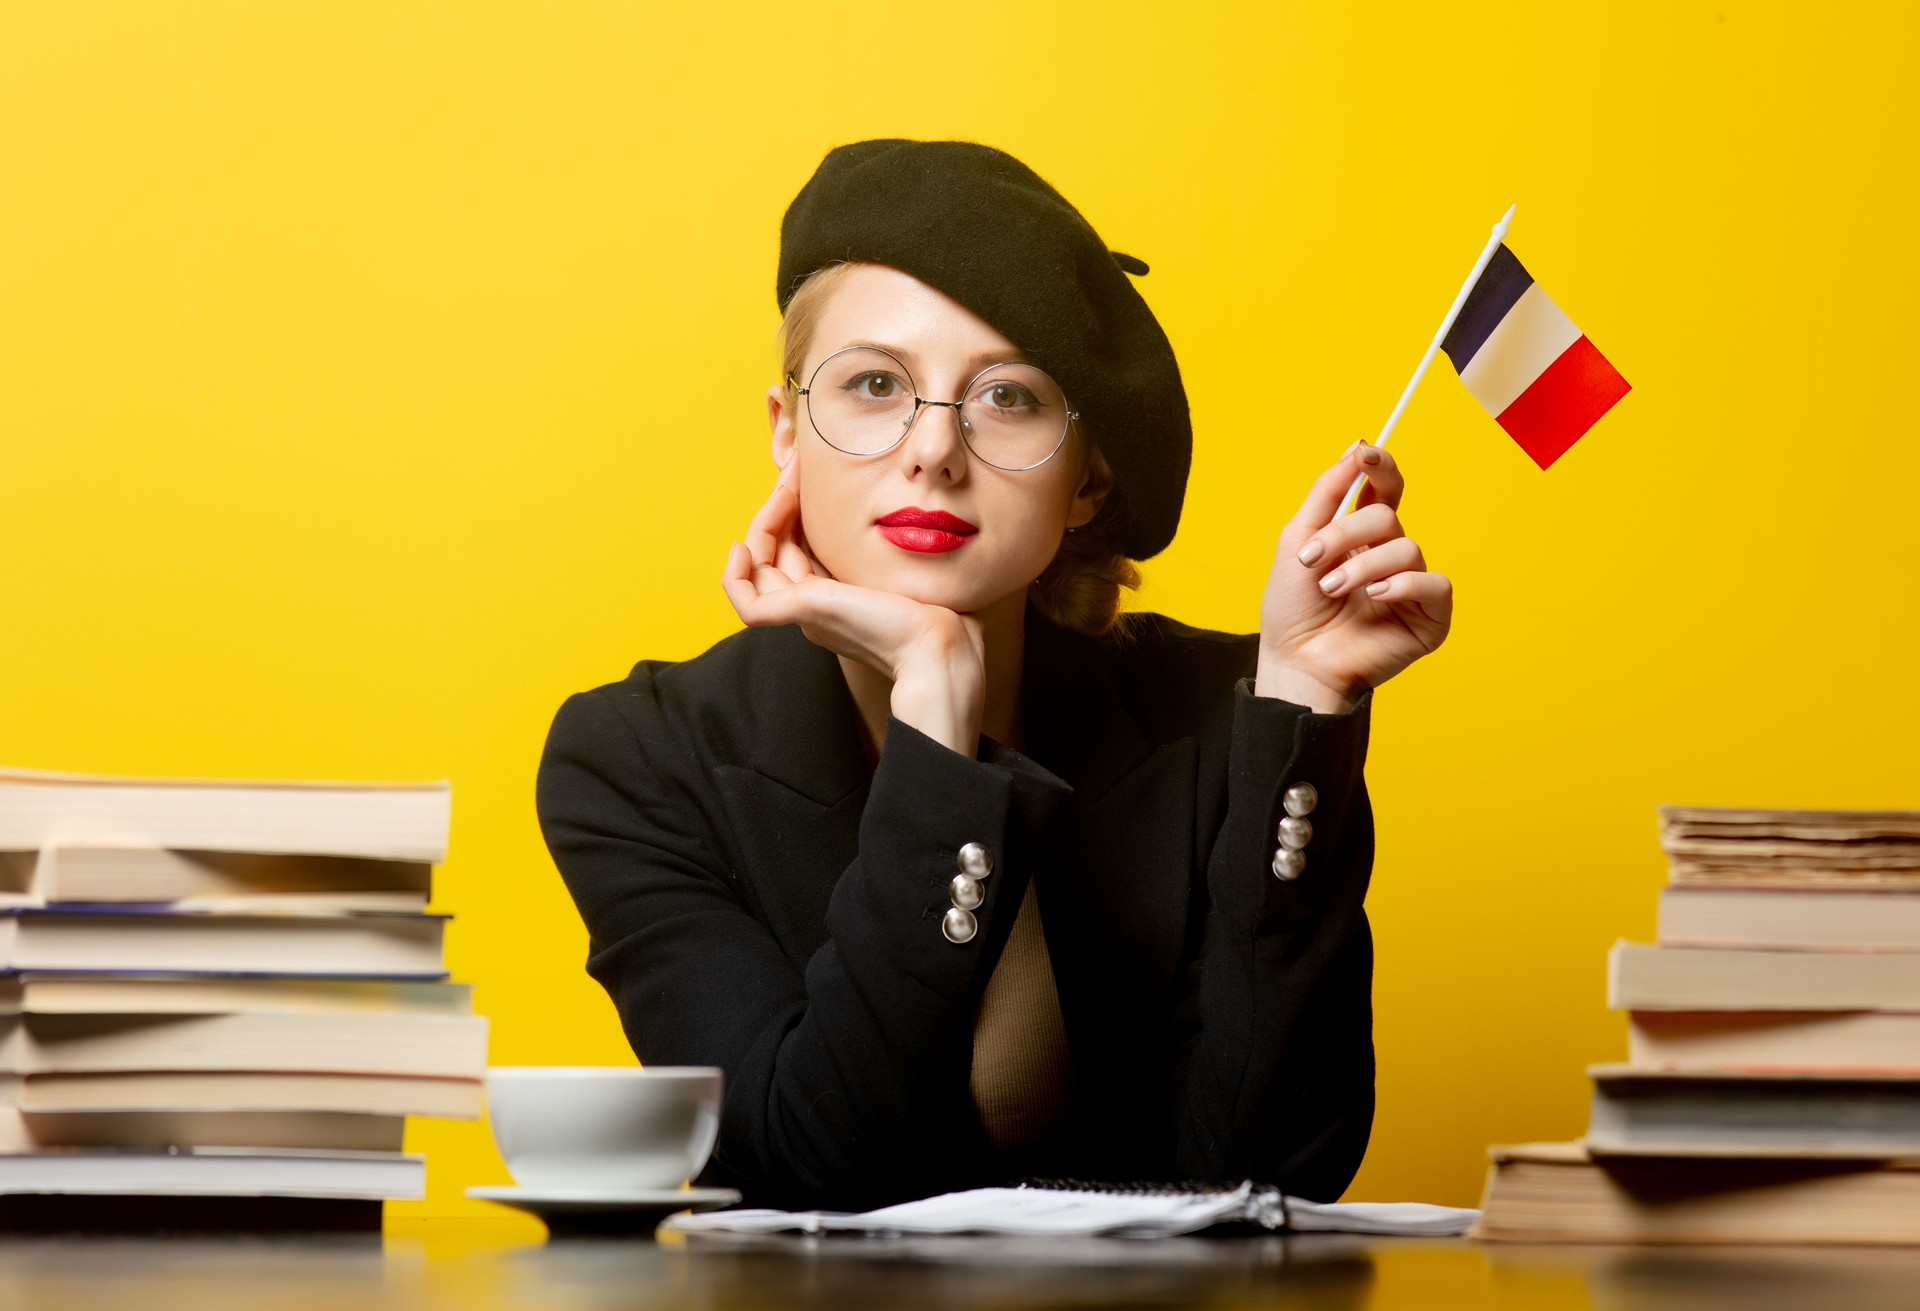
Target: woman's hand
point(934, 657)
point(1349, 603)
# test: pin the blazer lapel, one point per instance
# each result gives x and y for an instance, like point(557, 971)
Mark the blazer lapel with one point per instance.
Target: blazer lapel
point(806, 728)
point(1114, 895)
point(795, 803)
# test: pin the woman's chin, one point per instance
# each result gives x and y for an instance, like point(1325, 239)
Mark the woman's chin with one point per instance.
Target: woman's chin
point(963, 596)
point(959, 600)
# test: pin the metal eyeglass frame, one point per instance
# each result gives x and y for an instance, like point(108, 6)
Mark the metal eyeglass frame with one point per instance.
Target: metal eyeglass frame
point(920, 401)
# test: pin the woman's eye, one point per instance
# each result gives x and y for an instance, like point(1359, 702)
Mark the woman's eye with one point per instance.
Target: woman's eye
point(876, 386)
point(1009, 395)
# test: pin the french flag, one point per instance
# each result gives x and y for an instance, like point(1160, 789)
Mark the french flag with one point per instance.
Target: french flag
point(1524, 360)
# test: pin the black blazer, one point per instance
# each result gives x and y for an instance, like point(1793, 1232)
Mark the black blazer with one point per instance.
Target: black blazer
point(758, 899)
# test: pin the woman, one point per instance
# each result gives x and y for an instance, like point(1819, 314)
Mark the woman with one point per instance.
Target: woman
point(957, 874)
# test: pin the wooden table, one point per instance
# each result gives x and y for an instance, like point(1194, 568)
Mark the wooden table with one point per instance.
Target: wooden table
point(477, 1266)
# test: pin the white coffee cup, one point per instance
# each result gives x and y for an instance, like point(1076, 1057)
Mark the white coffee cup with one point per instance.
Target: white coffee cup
point(604, 1128)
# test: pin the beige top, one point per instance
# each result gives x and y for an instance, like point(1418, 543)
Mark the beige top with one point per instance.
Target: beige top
point(1021, 1067)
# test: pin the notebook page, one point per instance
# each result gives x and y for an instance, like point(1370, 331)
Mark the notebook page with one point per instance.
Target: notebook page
point(1054, 1211)
point(1044, 1211)
point(1417, 1219)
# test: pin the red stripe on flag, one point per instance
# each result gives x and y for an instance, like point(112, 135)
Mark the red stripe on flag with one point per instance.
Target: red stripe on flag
point(1559, 406)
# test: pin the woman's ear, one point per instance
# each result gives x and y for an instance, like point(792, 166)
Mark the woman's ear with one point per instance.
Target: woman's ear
point(1096, 481)
point(780, 416)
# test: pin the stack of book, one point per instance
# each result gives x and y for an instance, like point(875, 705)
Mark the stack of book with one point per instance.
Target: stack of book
point(1772, 1087)
point(218, 989)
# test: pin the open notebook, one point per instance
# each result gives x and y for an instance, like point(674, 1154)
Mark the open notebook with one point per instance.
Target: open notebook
point(1143, 1211)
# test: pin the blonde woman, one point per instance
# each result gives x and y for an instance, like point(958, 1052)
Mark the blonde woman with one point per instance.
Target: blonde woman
point(959, 872)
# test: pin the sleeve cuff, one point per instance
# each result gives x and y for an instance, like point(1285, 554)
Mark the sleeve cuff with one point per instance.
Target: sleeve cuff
point(927, 803)
point(1280, 750)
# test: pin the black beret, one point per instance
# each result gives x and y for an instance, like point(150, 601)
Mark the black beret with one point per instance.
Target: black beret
point(977, 225)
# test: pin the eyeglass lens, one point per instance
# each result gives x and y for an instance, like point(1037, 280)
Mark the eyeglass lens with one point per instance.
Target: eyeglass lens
point(862, 400)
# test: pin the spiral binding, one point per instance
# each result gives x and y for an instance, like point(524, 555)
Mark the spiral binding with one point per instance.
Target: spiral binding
point(1138, 1188)
point(1266, 1204)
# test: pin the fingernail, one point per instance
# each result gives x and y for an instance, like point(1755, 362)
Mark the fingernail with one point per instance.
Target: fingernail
point(1375, 588)
point(1312, 551)
point(1331, 583)
point(1369, 454)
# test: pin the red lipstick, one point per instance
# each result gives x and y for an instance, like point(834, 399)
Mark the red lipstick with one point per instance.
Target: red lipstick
point(914, 529)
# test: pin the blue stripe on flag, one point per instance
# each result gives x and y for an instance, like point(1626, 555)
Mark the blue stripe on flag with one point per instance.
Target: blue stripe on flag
point(1501, 283)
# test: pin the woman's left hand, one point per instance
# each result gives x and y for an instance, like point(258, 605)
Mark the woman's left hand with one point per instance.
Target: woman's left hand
point(1349, 602)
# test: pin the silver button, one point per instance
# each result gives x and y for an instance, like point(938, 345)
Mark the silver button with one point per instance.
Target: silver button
point(967, 893)
point(1287, 864)
point(1295, 832)
point(975, 861)
point(959, 925)
point(1300, 799)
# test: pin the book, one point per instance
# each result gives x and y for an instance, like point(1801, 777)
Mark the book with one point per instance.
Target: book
point(432, 1046)
point(282, 1172)
point(1641, 1112)
point(211, 879)
point(1775, 1040)
point(147, 939)
point(199, 994)
point(1789, 825)
point(1081, 1209)
point(1863, 848)
point(382, 821)
point(1641, 977)
point(171, 1217)
point(1558, 1192)
point(1847, 918)
point(247, 1090)
point(1692, 873)
point(156, 1131)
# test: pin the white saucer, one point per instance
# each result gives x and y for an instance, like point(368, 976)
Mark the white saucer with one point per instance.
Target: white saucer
point(602, 1210)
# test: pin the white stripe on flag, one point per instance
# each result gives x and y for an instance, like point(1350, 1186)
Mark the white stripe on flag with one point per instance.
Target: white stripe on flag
point(1533, 335)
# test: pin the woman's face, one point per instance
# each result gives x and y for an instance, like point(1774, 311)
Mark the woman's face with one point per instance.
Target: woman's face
point(1019, 515)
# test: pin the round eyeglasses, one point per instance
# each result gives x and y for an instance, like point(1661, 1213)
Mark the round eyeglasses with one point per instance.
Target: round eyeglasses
point(863, 401)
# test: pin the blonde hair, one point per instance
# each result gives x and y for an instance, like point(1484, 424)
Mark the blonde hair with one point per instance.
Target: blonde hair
point(1080, 588)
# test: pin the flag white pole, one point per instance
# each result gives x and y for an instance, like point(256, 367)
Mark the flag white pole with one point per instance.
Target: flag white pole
point(1433, 347)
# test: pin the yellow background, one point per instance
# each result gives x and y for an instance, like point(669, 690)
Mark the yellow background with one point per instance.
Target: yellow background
point(373, 375)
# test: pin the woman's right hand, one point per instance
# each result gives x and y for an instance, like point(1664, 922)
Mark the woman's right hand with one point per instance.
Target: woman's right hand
point(934, 657)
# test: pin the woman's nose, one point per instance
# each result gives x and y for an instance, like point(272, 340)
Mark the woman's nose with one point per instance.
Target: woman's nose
point(934, 439)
